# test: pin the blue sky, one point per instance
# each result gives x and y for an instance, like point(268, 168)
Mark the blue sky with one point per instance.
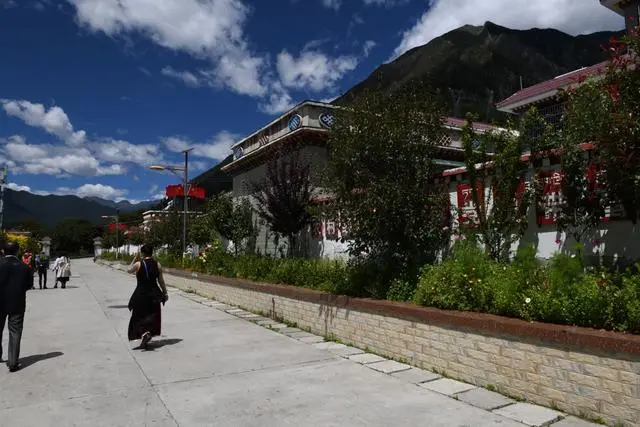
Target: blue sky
point(94, 91)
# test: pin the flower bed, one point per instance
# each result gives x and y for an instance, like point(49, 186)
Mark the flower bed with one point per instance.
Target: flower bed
point(562, 291)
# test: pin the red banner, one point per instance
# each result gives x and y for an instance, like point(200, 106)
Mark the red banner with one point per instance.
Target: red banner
point(178, 191)
point(466, 208)
point(121, 227)
point(174, 191)
point(196, 192)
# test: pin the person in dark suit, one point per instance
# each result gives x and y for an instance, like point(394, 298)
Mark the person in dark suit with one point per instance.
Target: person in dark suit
point(16, 279)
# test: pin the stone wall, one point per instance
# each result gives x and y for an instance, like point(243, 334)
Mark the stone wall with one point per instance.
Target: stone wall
point(584, 372)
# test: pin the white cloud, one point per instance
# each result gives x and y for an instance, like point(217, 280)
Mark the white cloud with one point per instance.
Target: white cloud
point(571, 16)
point(214, 31)
point(313, 70)
point(94, 190)
point(87, 190)
point(79, 156)
point(205, 29)
point(119, 151)
point(17, 187)
point(218, 148)
point(386, 3)
point(187, 77)
point(54, 120)
point(368, 46)
point(47, 159)
point(277, 101)
point(153, 189)
point(332, 4)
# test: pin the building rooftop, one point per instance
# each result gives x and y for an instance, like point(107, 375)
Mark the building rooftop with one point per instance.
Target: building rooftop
point(549, 88)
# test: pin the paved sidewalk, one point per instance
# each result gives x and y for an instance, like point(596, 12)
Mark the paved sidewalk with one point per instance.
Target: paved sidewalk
point(210, 368)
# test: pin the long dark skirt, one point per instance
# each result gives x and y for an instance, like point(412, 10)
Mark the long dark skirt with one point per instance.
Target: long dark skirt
point(146, 316)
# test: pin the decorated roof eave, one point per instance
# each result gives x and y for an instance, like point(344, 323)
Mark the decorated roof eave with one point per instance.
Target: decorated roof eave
point(283, 116)
point(260, 152)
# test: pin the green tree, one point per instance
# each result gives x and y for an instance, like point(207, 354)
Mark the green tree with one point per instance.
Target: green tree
point(380, 170)
point(166, 230)
point(32, 225)
point(74, 236)
point(201, 230)
point(284, 198)
point(606, 112)
point(494, 159)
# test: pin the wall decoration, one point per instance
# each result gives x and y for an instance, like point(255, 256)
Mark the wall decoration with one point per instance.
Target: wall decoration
point(466, 208)
point(295, 122)
point(263, 140)
point(550, 201)
point(326, 119)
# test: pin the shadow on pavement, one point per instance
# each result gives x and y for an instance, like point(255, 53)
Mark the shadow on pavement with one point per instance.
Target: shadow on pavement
point(35, 358)
point(161, 343)
point(118, 306)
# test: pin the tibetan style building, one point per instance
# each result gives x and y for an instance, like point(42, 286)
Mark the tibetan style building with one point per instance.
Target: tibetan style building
point(307, 126)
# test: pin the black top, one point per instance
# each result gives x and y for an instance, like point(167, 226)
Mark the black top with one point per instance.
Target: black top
point(42, 263)
point(15, 279)
point(147, 288)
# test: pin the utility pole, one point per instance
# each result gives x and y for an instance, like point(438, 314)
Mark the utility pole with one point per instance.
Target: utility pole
point(186, 201)
point(185, 184)
point(3, 181)
point(117, 232)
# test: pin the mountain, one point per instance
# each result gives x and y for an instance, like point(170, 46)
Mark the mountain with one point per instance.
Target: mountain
point(124, 205)
point(474, 67)
point(49, 210)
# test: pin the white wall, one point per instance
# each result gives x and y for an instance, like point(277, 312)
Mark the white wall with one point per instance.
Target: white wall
point(615, 238)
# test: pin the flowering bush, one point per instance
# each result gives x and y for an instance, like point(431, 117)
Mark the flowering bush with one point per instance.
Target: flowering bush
point(562, 291)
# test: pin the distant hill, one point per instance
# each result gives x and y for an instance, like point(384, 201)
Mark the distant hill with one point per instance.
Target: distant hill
point(124, 205)
point(474, 67)
point(49, 210)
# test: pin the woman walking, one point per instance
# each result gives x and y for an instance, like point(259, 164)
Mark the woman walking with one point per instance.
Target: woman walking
point(145, 301)
point(62, 268)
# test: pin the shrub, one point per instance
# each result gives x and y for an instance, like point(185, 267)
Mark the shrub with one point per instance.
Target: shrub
point(460, 282)
point(561, 292)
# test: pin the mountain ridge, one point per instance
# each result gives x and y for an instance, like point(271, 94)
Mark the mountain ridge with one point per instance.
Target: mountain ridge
point(48, 210)
point(474, 67)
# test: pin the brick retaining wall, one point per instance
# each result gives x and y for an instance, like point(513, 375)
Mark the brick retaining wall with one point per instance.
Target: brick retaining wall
point(580, 371)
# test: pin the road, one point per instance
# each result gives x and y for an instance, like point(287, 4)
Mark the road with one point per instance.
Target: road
point(208, 369)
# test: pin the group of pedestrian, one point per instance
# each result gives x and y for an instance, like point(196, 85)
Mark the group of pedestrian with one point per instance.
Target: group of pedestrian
point(17, 277)
point(40, 264)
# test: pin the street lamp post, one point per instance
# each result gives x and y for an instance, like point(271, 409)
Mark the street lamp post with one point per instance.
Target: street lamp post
point(117, 218)
point(185, 178)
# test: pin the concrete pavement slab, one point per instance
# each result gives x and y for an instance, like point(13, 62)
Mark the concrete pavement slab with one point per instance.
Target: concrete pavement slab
point(531, 415)
point(127, 408)
point(311, 340)
point(365, 358)
point(289, 330)
point(416, 376)
point(301, 334)
point(328, 394)
point(208, 368)
point(574, 422)
point(389, 366)
point(447, 386)
point(345, 351)
point(279, 326)
point(485, 399)
point(329, 345)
